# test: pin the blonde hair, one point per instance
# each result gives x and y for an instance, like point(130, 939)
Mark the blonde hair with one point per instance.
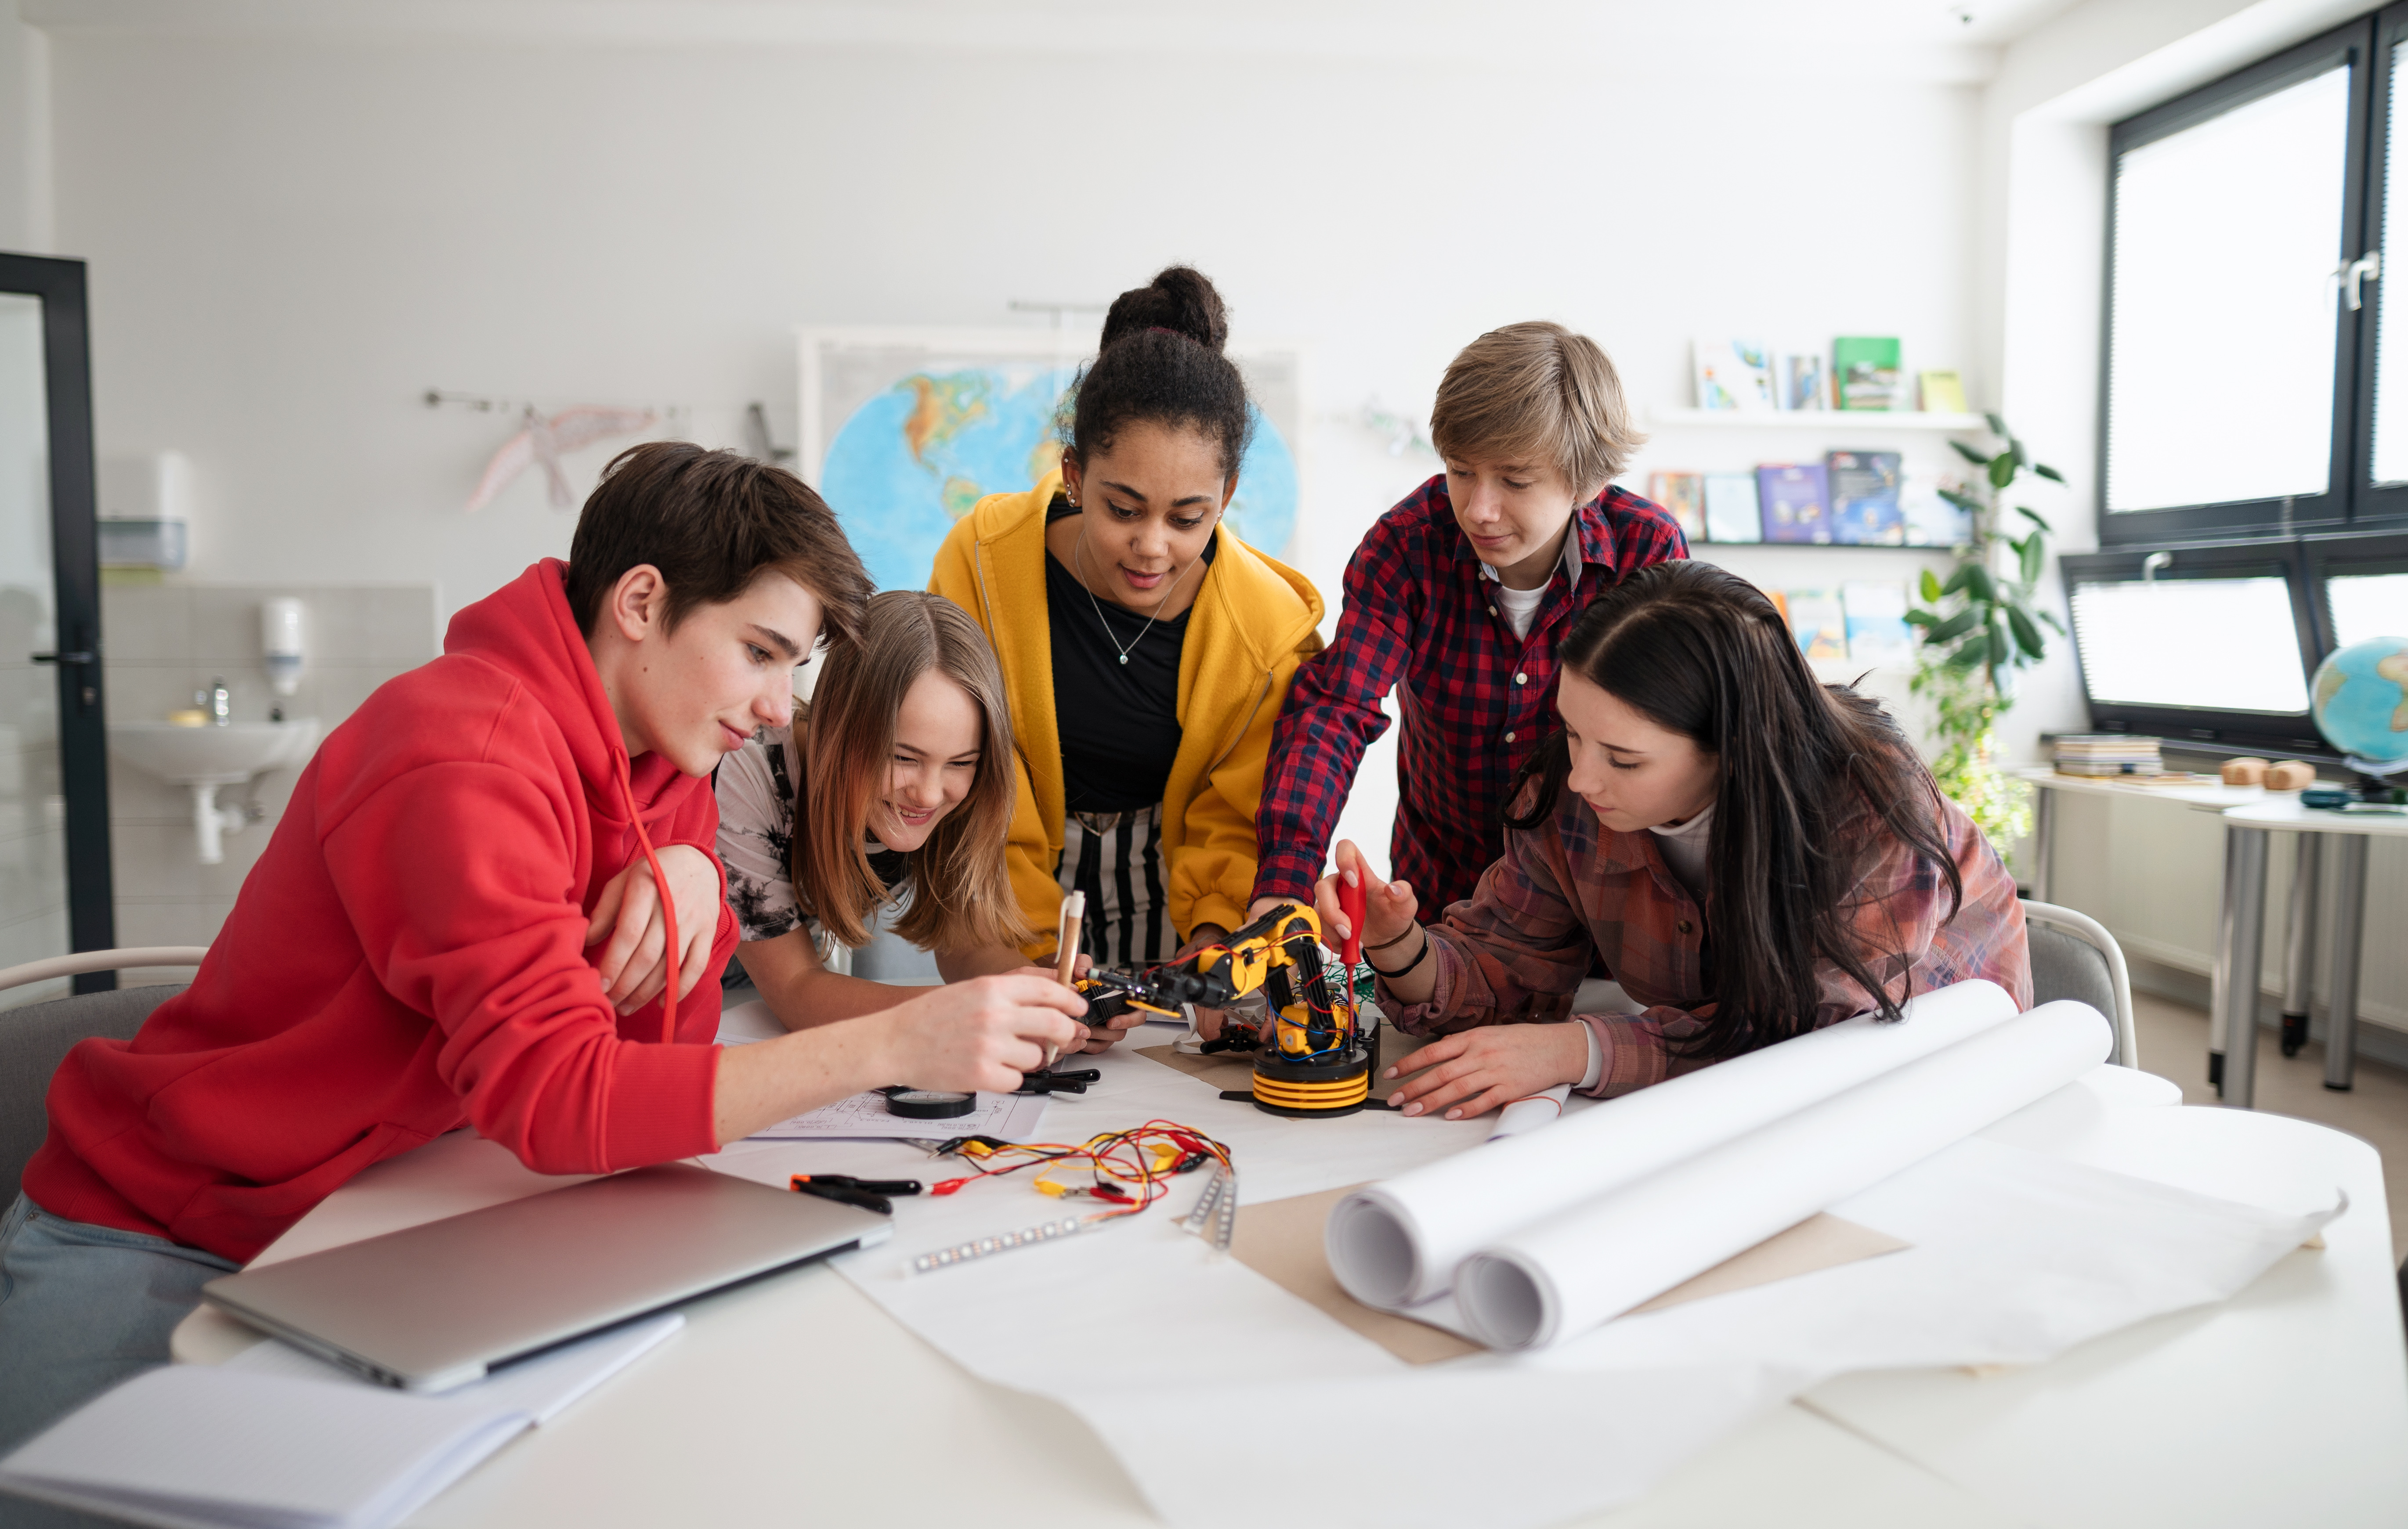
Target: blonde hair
point(961, 892)
point(1537, 392)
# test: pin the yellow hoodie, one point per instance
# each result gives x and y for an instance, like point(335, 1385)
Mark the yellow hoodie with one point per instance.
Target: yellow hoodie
point(1252, 623)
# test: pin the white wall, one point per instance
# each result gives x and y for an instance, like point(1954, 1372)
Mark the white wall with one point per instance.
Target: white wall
point(24, 135)
point(291, 237)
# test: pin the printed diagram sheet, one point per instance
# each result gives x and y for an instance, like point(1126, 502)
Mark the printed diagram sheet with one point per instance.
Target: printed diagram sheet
point(1013, 1117)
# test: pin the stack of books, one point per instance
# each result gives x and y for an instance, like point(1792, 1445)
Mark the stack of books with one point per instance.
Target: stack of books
point(2108, 754)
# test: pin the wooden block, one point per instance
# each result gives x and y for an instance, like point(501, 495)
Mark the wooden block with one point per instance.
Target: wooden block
point(2244, 772)
point(2290, 774)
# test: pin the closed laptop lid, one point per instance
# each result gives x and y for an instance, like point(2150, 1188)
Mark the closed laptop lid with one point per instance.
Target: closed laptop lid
point(434, 1306)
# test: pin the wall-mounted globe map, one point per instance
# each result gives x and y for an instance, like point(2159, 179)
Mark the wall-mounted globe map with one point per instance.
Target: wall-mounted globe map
point(920, 449)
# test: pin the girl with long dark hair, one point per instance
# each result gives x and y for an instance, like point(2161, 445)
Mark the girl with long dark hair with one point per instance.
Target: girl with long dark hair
point(1751, 854)
point(1146, 648)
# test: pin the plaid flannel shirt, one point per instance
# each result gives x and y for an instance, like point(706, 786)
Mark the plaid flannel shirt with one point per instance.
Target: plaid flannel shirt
point(1519, 948)
point(1476, 700)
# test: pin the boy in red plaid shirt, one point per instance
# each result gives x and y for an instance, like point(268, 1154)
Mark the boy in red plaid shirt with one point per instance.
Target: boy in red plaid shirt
point(1456, 600)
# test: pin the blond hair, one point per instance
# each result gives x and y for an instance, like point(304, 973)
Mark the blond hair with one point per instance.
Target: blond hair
point(1537, 392)
point(961, 890)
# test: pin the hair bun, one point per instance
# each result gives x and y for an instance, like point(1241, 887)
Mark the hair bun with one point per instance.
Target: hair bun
point(1181, 299)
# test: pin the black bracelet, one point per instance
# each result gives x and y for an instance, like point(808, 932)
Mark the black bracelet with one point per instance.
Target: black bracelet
point(1408, 965)
point(1398, 941)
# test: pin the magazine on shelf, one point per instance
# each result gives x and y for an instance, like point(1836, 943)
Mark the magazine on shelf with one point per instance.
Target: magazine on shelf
point(1731, 513)
point(1864, 368)
point(1734, 374)
point(1795, 500)
point(1865, 510)
point(1683, 496)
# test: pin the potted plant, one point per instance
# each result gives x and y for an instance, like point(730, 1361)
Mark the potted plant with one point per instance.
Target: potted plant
point(1979, 629)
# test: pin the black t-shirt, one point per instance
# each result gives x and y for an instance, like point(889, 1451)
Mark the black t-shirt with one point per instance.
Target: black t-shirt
point(1118, 723)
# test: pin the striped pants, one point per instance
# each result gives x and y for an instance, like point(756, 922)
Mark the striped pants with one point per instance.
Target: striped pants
point(1115, 858)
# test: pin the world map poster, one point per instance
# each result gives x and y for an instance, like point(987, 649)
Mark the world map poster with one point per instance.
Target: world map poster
point(904, 431)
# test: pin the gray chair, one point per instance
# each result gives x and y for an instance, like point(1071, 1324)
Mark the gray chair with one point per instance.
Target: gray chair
point(2073, 956)
point(34, 1039)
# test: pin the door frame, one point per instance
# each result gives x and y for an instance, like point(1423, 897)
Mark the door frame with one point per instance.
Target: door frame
point(75, 556)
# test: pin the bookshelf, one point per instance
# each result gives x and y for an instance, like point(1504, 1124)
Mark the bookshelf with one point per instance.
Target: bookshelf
point(1832, 421)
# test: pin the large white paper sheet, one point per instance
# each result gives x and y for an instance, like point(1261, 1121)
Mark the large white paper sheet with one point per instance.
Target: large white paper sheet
point(1591, 1263)
point(2016, 1257)
point(1399, 1243)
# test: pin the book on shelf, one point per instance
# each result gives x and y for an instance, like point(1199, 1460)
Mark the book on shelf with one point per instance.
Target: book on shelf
point(1731, 510)
point(1878, 635)
point(1683, 496)
point(1818, 621)
point(1931, 520)
point(1865, 369)
point(1943, 392)
point(1865, 509)
point(1795, 500)
point(1804, 382)
point(1734, 374)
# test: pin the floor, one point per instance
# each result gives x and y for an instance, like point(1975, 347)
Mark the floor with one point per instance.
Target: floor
point(2173, 1045)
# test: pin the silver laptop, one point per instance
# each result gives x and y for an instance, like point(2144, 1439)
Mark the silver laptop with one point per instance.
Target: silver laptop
point(436, 1306)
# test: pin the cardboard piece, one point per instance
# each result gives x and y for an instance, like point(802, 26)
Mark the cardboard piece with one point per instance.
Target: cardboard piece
point(1282, 1241)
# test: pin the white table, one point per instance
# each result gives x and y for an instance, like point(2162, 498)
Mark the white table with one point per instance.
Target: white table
point(2201, 796)
point(796, 1400)
point(2233, 1007)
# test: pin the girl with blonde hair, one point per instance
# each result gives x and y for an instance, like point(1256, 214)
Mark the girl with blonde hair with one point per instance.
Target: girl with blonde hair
point(893, 788)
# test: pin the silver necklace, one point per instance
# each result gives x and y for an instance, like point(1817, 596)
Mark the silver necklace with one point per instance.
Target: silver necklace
point(1079, 556)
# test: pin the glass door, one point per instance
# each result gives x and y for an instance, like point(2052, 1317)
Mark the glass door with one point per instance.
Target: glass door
point(54, 872)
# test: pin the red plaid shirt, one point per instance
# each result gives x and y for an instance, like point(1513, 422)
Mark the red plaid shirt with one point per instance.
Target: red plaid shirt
point(1572, 889)
point(1476, 700)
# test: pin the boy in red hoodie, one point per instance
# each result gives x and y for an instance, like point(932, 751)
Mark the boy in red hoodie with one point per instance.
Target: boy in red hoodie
point(423, 945)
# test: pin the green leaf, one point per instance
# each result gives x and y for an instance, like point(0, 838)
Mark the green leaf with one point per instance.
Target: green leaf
point(1954, 626)
point(2056, 625)
point(1922, 617)
point(1976, 458)
point(2049, 473)
point(1962, 500)
point(1969, 655)
point(1931, 591)
point(2002, 469)
point(1979, 584)
point(2033, 515)
point(2027, 637)
point(2001, 650)
point(1998, 426)
point(2030, 551)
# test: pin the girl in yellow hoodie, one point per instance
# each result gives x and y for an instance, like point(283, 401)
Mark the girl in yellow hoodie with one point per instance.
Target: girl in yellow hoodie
point(1146, 650)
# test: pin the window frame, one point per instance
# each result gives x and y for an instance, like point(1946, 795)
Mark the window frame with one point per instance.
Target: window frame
point(2322, 557)
point(2351, 45)
point(2371, 503)
point(2188, 726)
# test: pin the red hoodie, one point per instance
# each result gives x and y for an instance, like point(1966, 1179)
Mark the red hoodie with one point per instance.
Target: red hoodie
point(409, 956)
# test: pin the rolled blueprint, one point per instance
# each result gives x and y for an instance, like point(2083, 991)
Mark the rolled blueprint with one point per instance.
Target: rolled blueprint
point(1588, 1264)
point(1398, 1244)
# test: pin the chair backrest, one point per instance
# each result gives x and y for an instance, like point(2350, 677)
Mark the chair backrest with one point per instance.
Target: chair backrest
point(2074, 956)
point(34, 1039)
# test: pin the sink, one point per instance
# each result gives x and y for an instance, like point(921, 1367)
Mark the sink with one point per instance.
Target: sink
point(204, 758)
point(212, 756)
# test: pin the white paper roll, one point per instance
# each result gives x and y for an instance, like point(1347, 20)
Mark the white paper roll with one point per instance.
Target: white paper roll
point(1587, 1265)
point(1398, 1244)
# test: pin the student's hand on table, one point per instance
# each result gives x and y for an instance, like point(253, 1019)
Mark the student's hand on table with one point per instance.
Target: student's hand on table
point(1475, 1071)
point(982, 1034)
point(1208, 1021)
point(633, 966)
point(1092, 1037)
point(1389, 906)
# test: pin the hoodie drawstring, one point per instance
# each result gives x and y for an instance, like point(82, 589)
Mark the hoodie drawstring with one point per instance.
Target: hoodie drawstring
point(660, 885)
